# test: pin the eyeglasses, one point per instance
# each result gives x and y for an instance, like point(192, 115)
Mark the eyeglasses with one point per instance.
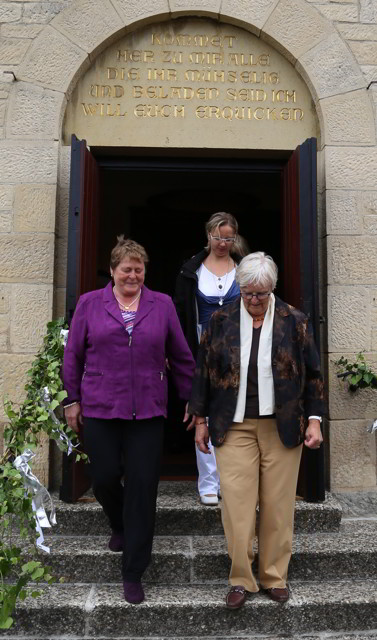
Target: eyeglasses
point(259, 296)
point(226, 240)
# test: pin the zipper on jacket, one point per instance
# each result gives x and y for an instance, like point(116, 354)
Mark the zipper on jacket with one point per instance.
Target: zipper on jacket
point(132, 378)
point(161, 375)
point(83, 375)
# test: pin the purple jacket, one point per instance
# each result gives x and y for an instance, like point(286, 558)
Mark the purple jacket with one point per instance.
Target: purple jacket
point(115, 376)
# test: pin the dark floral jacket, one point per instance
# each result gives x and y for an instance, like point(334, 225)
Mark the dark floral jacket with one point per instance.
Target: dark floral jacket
point(298, 383)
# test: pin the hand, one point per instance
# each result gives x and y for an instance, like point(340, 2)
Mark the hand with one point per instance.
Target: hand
point(202, 437)
point(186, 417)
point(313, 435)
point(73, 416)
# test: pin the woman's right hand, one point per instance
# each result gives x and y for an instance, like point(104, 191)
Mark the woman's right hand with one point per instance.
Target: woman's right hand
point(73, 416)
point(202, 437)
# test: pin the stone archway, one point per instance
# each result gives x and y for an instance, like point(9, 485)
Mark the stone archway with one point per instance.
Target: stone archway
point(34, 159)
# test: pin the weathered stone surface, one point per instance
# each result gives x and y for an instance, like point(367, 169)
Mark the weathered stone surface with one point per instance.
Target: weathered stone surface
point(56, 65)
point(351, 260)
point(374, 330)
point(6, 76)
point(40, 464)
point(345, 404)
point(59, 302)
point(6, 196)
point(41, 12)
point(27, 329)
point(28, 162)
point(294, 28)
point(21, 30)
point(64, 166)
point(133, 10)
point(35, 112)
point(34, 207)
point(196, 7)
point(4, 332)
point(60, 268)
point(5, 221)
point(89, 24)
point(343, 212)
point(26, 257)
point(369, 72)
point(10, 12)
point(368, 11)
point(252, 15)
point(2, 114)
point(355, 452)
point(341, 12)
point(348, 318)
point(13, 377)
point(358, 31)
point(62, 212)
point(329, 68)
point(354, 167)
point(365, 52)
point(370, 224)
point(12, 50)
point(61, 610)
point(4, 297)
point(348, 118)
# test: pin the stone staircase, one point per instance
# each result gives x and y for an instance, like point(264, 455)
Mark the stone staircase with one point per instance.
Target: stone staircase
point(333, 579)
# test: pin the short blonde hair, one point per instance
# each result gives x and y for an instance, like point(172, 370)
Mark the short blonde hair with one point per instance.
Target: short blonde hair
point(257, 269)
point(127, 248)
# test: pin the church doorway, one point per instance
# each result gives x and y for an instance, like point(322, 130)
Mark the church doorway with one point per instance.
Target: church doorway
point(163, 203)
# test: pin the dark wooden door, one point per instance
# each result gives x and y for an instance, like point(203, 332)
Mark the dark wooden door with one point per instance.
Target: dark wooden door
point(83, 224)
point(300, 275)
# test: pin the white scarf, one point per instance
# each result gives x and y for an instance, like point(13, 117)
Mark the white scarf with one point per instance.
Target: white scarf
point(266, 392)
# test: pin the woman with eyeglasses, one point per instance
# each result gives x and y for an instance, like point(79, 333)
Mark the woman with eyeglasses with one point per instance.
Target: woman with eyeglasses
point(258, 380)
point(206, 283)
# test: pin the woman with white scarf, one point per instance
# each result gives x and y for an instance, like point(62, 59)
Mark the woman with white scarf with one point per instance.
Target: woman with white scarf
point(258, 380)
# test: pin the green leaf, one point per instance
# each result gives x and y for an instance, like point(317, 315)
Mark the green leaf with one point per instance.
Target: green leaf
point(7, 624)
point(38, 573)
point(61, 396)
point(54, 404)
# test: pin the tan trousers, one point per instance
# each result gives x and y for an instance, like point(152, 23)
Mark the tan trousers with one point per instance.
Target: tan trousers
point(254, 466)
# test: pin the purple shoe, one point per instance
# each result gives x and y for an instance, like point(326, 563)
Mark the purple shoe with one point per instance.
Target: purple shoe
point(116, 542)
point(133, 592)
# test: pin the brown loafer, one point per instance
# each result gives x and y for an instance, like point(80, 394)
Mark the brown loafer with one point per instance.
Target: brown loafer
point(278, 594)
point(235, 597)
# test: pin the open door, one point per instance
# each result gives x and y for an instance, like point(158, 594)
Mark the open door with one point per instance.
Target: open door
point(300, 276)
point(83, 224)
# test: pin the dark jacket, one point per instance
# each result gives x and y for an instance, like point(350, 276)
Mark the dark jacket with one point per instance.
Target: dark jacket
point(114, 376)
point(298, 383)
point(185, 297)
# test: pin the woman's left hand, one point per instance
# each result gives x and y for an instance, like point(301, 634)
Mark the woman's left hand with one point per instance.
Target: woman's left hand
point(191, 424)
point(313, 435)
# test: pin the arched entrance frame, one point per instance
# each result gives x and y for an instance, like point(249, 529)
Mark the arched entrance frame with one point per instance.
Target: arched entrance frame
point(34, 156)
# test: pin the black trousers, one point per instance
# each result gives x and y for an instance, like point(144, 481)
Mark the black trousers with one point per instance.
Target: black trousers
point(132, 448)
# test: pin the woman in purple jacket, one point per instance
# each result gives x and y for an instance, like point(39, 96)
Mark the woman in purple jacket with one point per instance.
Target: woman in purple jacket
point(115, 375)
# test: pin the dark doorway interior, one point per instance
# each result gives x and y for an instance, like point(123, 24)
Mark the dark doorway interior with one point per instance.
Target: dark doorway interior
point(164, 205)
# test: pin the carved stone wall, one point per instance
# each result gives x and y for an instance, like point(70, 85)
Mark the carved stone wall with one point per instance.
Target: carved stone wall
point(48, 46)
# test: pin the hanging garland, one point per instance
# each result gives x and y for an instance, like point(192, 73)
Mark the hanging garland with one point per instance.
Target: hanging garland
point(22, 498)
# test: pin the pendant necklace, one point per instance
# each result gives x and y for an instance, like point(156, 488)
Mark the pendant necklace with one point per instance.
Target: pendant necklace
point(219, 285)
point(125, 306)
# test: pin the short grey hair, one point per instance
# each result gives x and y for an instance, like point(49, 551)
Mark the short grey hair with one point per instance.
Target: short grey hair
point(257, 269)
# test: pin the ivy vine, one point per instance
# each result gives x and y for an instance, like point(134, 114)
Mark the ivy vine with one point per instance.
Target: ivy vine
point(20, 561)
point(357, 374)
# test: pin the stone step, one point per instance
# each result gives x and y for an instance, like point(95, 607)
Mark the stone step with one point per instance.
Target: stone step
point(99, 611)
point(204, 559)
point(179, 512)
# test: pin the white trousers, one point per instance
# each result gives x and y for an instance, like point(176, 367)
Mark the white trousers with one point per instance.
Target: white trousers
point(208, 480)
